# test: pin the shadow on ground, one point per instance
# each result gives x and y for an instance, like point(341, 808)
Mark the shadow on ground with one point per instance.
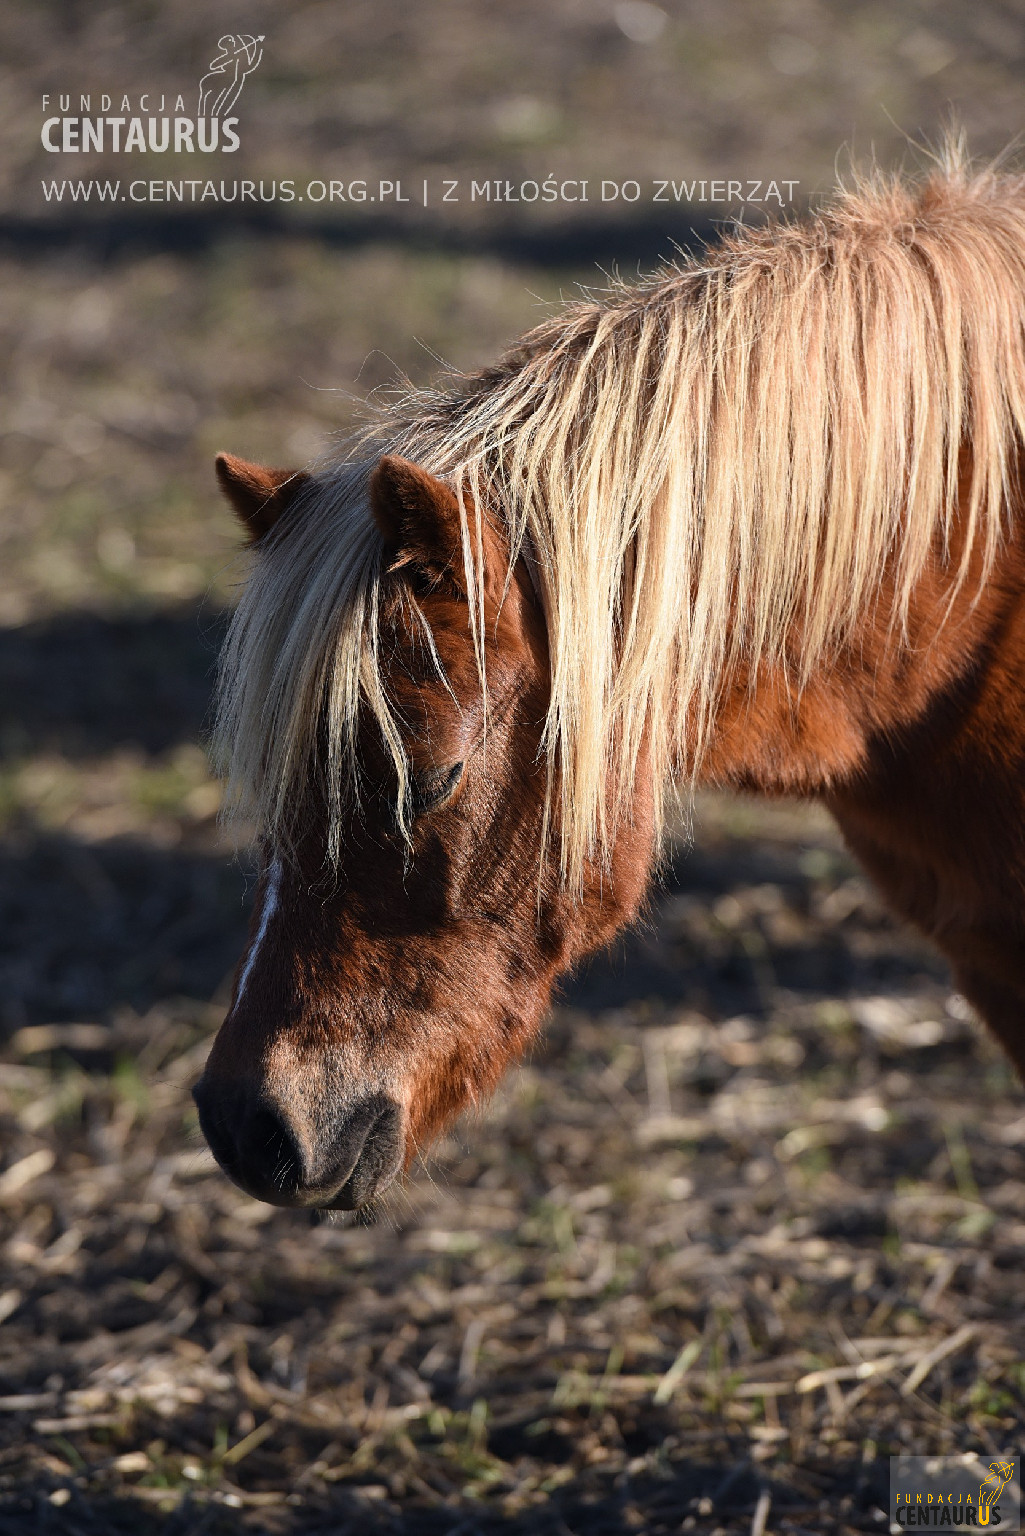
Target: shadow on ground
point(88, 927)
point(80, 684)
point(584, 242)
point(692, 950)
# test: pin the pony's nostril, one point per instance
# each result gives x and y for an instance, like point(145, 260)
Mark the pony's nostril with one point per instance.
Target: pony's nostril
point(268, 1157)
point(253, 1143)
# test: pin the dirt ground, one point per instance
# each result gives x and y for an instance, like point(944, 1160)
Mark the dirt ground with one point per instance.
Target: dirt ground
point(751, 1218)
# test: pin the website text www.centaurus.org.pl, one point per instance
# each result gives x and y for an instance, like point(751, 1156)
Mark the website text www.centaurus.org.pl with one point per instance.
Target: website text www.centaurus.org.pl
point(777, 192)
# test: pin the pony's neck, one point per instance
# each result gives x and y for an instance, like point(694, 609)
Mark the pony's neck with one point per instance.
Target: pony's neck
point(917, 746)
point(779, 735)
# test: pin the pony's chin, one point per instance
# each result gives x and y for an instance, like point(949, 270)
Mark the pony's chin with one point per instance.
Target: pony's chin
point(349, 1200)
point(370, 1178)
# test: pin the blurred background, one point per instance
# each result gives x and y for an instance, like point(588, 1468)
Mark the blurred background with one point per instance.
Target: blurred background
point(752, 1218)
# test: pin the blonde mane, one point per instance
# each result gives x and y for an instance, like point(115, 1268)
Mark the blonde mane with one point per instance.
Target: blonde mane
point(709, 470)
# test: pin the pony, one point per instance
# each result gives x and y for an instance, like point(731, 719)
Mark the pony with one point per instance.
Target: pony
point(756, 522)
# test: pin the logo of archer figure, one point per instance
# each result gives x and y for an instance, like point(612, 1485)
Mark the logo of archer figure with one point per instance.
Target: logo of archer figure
point(237, 57)
point(992, 1487)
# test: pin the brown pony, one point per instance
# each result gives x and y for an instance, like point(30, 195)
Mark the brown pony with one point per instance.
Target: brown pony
point(755, 523)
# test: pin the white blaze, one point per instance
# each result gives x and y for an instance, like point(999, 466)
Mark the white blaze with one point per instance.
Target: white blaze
point(270, 906)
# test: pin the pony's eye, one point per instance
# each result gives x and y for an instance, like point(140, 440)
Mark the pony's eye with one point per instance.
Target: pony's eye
point(431, 791)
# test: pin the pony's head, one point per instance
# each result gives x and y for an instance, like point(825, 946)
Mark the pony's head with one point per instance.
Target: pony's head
point(413, 910)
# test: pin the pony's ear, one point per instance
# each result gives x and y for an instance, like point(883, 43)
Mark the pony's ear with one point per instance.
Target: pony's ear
point(419, 518)
point(417, 515)
point(258, 494)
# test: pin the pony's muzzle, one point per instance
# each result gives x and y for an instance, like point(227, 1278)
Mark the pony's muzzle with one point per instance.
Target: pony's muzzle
point(338, 1166)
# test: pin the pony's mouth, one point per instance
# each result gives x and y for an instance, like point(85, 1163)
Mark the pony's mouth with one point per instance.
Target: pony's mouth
point(338, 1168)
point(378, 1159)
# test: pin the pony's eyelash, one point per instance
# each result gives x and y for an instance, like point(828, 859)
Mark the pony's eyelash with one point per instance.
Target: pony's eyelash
point(433, 791)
